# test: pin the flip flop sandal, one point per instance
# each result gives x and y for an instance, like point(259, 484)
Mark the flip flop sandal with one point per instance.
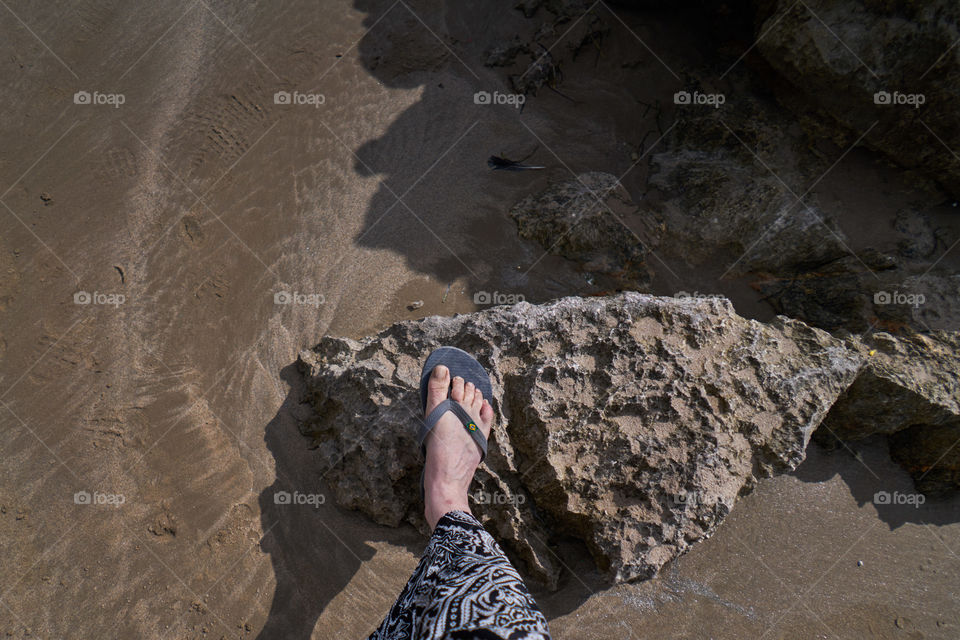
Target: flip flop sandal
point(460, 363)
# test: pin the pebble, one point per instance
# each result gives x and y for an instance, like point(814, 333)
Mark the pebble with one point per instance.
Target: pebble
point(416, 304)
point(859, 563)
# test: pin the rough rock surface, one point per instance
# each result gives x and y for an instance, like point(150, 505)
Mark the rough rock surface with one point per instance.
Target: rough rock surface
point(842, 54)
point(586, 220)
point(728, 189)
point(734, 189)
point(719, 203)
point(858, 292)
point(630, 422)
point(941, 301)
point(909, 388)
point(729, 193)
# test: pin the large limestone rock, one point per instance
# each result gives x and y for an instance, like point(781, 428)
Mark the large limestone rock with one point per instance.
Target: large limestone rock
point(719, 204)
point(887, 67)
point(734, 184)
point(630, 422)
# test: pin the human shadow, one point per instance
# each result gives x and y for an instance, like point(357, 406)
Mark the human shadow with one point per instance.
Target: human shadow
point(451, 221)
point(874, 478)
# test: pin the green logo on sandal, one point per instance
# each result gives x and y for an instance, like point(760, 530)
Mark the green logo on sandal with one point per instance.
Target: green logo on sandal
point(472, 426)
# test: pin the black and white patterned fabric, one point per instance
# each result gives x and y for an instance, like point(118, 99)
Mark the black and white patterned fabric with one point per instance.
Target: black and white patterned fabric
point(464, 588)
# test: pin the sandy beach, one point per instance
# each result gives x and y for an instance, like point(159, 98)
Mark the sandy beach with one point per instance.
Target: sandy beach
point(172, 238)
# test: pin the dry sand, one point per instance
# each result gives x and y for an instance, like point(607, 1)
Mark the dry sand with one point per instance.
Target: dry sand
point(199, 199)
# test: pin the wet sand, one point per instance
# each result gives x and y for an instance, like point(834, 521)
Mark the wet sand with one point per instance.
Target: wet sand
point(199, 201)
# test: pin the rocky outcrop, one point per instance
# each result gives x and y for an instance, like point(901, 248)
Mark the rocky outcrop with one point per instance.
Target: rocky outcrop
point(736, 187)
point(717, 203)
point(630, 422)
point(729, 192)
point(889, 68)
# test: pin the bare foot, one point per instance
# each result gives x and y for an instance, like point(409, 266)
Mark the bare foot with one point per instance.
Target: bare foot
point(452, 455)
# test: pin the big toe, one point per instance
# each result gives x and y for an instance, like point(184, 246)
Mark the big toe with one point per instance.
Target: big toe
point(437, 387)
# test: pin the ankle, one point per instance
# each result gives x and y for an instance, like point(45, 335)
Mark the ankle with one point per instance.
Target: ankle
point(440, 502)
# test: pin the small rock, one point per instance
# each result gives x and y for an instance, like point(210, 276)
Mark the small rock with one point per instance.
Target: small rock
point(582, 220)
point(416, 304)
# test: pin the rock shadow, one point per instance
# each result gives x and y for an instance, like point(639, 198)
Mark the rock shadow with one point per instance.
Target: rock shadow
point(874, 478)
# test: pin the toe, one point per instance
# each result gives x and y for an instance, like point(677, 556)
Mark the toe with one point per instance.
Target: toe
point(477, 400)
point(468, 390)
point(486, 418)
point(456, 391)
point(437, 386)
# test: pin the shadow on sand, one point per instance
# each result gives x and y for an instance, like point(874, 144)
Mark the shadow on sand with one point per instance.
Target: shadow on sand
point(873, 477)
